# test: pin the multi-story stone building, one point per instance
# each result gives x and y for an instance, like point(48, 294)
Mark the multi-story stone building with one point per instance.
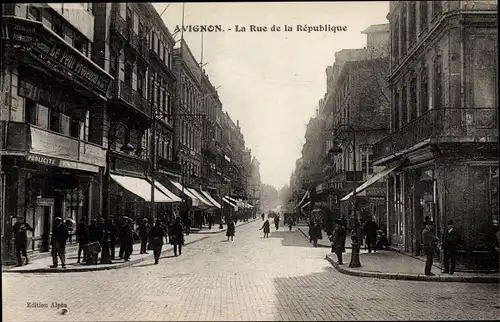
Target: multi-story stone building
point(133, 44)
point(51, 136)
point(443, 143)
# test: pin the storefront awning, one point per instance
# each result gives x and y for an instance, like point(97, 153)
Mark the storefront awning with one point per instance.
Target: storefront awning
point(306, 195)
point(305, 205)
point(376, 177)
point(230, 203)
point(140, 188)
point(247, 205)
point(165, 191)
point(212, 200)
point(186, 192)
point(204, 203)
point(234, 201)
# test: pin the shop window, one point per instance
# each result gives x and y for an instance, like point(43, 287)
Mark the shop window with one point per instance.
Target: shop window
point(55, 121)
point(42, 116)
point(424, 91)
point(423, 15)
point(35, 13)
point(65, 124)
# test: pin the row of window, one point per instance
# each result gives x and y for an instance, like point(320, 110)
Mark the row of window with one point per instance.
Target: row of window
point(410, 102)
point(413, 18)
point(189, 136)
point(55, 22)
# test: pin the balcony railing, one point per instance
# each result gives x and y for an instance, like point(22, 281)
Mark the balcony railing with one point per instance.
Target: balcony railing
point(133, 39)
point(143, 48)
point(51, 146)
point(448, 125)
point(119, 91)
point(168, 165)
point(118, 25)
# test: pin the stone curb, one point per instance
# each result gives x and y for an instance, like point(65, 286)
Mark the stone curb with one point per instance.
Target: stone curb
point(413, 277)
point(222, 230)
point(98, 268)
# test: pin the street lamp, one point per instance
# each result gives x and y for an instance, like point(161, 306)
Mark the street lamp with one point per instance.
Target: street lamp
point(336, 150)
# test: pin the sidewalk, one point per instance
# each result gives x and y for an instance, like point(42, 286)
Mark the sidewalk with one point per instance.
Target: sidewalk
point(215, 229)
point(322, 242)
point(387, 264)
point(42, 265)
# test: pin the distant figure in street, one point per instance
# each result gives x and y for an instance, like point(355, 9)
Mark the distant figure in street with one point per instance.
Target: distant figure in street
point(230, 229)
point(316, 233)
point(177, 236)
point(143, 231)
point(121, 235)
point(113, 234)
point(338, 240)
point(21, 240)
point(277, 222)
point(156, 234)
point(382, 241)
point(370, 229)
point(266, 227)
point(82, 233)
point(188, 226)
point(429, 241)
point(450, 245)
point(290, 223)
point(263, 216)
point(59, 237)
point(105, 254)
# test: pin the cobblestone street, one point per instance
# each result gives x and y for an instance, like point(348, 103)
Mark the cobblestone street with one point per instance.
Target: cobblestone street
point(279, 278)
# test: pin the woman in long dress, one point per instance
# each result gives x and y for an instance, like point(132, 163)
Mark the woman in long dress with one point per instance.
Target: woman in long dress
point(266, 227)
point(230, 229)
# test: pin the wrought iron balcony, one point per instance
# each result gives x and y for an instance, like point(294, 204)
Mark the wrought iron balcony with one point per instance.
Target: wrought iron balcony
point(118, 25)
point(168, 165)
point(442, 125)
point(119, 91)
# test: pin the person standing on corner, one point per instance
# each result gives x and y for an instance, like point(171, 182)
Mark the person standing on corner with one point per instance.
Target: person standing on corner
point(143, 231)
point(450, 245)
point(82, 233)
point(429, 241)
point(177, 235)
point(277, 222)
point(156, 235)
point(230, 229)
point(59, 236)
point(113, 234)
point(338, 240)
point(370, 229)
point(21, 240)
point(266, 227)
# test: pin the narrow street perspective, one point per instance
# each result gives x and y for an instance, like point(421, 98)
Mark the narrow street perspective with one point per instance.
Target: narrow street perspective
point(279, 278)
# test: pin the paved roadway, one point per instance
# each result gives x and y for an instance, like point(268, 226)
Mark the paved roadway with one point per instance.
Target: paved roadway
point(251, 278)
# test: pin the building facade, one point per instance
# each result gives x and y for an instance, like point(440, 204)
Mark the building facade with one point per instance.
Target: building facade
point(444, 125)
point(53, 99)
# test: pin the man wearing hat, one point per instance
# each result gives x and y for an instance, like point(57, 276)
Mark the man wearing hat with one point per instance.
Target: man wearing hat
point(429, 241)
point(450, 243)
point(59, 236)
point(338, 240)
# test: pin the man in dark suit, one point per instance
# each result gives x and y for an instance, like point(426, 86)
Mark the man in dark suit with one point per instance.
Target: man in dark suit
point(338, 240)
point(450, 245)
point(59, 236)
point(429, 241)
point(370, 229)
point(21, 239)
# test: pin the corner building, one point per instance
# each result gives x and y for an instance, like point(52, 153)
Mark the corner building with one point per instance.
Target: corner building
point(443, 143)
point(53, 98)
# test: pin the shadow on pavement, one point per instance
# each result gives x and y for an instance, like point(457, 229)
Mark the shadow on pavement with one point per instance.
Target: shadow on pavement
point(144, 265)
point(289, 238)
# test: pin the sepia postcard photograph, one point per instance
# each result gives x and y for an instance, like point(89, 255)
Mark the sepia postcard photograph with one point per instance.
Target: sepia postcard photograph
point(249, 161)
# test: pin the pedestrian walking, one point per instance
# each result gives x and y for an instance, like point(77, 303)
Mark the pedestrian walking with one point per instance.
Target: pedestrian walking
point(266, 227)
point(290, 223)
point(230, 229)
point(450, 245)
point(82, 233)
point(277, 222)
point(20, 229)
point(59, 237)
point(156, 235)
point(370, 230)
point(177, 235)
point(121, 235)
point(338, 240)
point(128, 238)
point(316, 233)
point(430, 242)
point(113, 234)
point(188, 225)
point(143, 231)
point(263, 216)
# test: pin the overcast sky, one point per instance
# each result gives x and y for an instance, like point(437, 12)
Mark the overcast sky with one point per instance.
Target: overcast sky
point(272, 81)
